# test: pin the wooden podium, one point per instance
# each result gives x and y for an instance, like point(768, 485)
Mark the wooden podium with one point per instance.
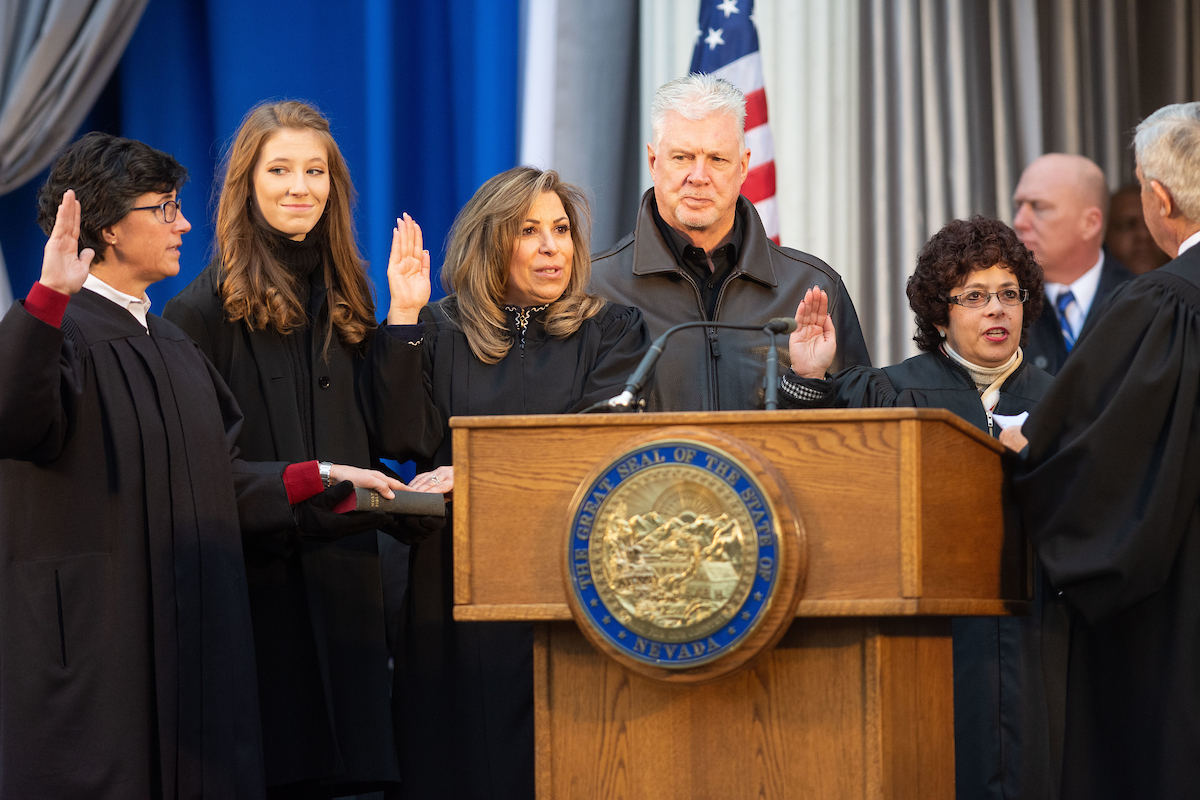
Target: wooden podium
point(902, 515)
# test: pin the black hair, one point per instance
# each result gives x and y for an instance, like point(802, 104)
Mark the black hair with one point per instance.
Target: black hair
point(108, 173)
point(953, 253)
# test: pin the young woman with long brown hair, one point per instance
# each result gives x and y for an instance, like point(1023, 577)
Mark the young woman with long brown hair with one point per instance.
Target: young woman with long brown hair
point(285, 314)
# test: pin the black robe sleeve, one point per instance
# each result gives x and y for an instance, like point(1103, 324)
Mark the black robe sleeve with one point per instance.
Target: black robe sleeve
point(1112, 472)
point(262, 501)
point(396, 394)
point(854, 387)
point(624, 339)
point(40, 383)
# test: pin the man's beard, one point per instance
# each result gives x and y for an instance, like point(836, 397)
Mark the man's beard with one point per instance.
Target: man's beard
point(696, 220)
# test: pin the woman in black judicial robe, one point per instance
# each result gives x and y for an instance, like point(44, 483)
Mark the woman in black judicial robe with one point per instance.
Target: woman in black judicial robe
point(285, 315)
point(974, 292)
point(517, 335)
point(126, 655)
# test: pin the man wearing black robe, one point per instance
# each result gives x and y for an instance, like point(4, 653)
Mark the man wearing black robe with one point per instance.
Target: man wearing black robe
point(1110, 495)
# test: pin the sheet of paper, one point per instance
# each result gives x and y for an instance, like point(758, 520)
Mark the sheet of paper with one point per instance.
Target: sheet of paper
point(1007, 421)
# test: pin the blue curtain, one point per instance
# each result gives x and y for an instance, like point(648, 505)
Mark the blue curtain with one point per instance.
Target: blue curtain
point(422, 98)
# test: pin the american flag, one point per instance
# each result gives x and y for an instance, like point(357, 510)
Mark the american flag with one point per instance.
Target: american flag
point(727, 46)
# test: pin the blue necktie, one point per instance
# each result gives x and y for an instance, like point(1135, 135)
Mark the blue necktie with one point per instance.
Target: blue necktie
point(1062, 303)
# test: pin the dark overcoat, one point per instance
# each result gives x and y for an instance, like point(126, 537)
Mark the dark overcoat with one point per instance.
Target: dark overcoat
point(318, 607)
point(1110, 495)
point(126, 653)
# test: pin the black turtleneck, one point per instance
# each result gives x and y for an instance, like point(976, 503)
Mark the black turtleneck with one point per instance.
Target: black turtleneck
point(303, 259)
point(708, 271)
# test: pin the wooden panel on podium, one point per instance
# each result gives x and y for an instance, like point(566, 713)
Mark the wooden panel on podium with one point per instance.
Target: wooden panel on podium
point(904, 526)
point(841, 708)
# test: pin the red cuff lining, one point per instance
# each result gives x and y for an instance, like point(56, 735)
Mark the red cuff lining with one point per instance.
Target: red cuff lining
point(302, 481)
point(46, 304)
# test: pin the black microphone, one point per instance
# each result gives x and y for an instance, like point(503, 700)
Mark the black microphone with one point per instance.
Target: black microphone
point(780, 325)
point(627, 400)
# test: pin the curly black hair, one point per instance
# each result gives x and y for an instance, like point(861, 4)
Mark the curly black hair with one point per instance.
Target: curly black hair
point(953, 253)
point(108, 174)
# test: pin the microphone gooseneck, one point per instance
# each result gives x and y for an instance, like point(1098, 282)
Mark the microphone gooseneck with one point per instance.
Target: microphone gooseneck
point(629, 399)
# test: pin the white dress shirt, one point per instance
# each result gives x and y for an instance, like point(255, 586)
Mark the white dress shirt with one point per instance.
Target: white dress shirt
point(1188, 243)
point(1084, 288)
point(138, 307)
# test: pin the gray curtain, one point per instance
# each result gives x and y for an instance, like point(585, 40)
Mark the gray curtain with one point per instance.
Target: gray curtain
point(55, 57)
point(1106, 65)
point(596, 142)
point(958, 96)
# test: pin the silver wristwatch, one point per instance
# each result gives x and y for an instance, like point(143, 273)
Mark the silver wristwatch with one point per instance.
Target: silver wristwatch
point(324, 467)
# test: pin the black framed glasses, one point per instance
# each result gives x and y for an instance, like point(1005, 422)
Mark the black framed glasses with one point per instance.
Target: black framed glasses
point(976, 299)
point(169, 209)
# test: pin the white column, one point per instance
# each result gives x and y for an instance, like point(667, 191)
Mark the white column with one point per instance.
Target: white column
point(539, 60)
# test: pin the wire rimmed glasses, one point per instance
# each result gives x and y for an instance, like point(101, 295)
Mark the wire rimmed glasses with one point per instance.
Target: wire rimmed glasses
point(977, 299)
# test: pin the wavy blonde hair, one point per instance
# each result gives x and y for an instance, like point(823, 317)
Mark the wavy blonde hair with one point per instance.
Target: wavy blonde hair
point(255, 287)
point(481, 246)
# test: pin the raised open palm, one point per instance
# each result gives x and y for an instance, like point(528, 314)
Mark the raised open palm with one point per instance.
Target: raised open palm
point(814, 343)
point(64, 268)
point(408, 273)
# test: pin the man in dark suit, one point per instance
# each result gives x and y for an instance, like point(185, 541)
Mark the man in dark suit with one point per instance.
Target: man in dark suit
point(1061, 206)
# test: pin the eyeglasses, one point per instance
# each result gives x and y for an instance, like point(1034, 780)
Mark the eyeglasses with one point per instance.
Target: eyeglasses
point(1009, 297)
point(169, 209)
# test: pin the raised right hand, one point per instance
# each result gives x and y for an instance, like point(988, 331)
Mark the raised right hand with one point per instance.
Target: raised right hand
point(64, 268)
point(814, 343)
point(408, 273)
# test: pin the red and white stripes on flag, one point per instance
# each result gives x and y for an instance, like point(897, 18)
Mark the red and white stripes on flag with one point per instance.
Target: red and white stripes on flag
point(746, 73)
point(727, 47)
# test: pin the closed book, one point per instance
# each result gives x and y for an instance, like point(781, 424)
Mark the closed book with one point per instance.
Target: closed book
point(414, 503)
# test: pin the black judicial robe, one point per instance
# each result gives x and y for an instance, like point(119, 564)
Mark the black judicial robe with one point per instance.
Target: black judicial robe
point(1110, 495)
point(318, 607)
point(465, 690)
point(932, 380)
point(1009, 672)
point(126, 655)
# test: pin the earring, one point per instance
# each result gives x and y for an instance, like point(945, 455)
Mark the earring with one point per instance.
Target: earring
point(942, 333)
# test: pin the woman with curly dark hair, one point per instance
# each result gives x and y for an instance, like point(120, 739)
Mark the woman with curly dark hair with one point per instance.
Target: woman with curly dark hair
point(975, 291)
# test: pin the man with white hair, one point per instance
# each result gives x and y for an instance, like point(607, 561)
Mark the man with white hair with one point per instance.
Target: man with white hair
point(1061, 205)
point(699, 252)
point(1110, 495)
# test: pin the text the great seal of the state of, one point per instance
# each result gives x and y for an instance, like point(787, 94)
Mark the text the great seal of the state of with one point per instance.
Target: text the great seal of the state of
point(674, 553)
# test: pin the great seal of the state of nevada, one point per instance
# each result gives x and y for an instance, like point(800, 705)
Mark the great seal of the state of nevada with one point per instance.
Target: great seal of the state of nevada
point(674, 553)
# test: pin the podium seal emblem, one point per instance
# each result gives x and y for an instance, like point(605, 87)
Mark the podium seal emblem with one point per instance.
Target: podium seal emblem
point(675, 554)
